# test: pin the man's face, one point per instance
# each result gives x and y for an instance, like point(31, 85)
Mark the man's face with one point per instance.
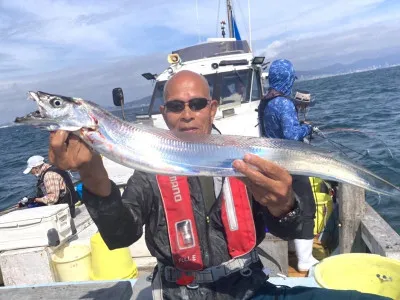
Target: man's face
point(183, 93)
point(35, 171)
point(240, 88)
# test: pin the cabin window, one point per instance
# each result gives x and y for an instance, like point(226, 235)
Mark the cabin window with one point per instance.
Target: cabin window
point(234, 87)
point(211, 81)
point(158, 98)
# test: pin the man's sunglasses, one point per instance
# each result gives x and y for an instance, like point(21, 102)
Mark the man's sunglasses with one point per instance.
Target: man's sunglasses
point(195, 104)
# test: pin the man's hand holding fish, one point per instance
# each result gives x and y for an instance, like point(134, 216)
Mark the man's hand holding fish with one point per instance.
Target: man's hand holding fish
point(69, 152)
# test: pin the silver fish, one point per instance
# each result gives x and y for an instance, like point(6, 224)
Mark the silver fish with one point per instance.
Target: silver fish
point(161, 151)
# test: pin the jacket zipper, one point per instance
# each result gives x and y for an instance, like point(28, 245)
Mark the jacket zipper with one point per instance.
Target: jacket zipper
point(207, 219)
point(207, 213)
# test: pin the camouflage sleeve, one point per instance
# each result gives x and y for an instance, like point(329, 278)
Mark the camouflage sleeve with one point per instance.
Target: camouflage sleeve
point(291, 128)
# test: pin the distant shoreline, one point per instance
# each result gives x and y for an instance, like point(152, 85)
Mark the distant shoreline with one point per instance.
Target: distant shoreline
point(314, 77)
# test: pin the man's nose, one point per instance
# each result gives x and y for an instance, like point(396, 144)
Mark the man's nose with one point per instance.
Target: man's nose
point(187, 113)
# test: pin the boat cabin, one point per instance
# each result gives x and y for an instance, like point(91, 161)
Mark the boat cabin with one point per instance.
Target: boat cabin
point(233, 74)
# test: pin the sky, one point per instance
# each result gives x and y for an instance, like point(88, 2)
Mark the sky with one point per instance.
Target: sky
point(86, 48)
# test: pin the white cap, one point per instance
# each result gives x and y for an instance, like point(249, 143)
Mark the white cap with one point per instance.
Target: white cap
point(34, 161)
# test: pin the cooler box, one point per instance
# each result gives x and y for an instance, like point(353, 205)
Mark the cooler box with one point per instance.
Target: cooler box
point(34, 227)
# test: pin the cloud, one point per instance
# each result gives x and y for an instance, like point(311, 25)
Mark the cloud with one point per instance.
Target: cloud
point(93, 83)
point(85, 48)
point(45, 35)
point(313, 52)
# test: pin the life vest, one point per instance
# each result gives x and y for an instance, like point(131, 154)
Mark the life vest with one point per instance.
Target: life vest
point(260, 112)
point(261, 108)
point(236, 214)
point(70, 197)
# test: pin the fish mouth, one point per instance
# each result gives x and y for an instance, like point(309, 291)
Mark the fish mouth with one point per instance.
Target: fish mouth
point(37, 116)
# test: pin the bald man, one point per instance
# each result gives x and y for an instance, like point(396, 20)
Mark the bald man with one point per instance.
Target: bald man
point(202, 231)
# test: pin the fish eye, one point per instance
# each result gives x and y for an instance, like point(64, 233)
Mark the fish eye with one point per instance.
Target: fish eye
point(56, 102)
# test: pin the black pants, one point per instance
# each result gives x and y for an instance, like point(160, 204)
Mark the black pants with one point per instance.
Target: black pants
point(302, 187)
point(305, 227)
point(272, 292)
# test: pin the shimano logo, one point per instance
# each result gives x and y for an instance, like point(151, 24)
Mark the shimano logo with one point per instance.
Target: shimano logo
point(175, 189)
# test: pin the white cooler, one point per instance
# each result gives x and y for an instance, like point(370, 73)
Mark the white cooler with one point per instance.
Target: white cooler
point(29, 227)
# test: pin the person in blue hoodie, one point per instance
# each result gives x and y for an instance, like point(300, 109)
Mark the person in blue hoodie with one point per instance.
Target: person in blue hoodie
point(278, 112)
point(278, 118)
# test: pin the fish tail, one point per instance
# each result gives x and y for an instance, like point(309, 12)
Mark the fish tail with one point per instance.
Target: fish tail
point(378, 185)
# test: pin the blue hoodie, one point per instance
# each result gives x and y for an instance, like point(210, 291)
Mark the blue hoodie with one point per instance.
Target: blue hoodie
point(280, 116)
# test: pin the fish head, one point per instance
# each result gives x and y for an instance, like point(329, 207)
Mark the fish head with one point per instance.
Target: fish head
point(58, 112)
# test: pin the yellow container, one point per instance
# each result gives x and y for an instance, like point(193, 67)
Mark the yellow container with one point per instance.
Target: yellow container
point(323, 203)
point(367, 273)
point(72, 263)
point(110, 264)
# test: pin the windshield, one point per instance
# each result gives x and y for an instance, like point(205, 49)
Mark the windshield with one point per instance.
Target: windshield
point(235, 86)
point(228, 88)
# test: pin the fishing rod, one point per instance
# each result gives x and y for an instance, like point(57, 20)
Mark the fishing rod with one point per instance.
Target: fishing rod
point(303, 102)
point(319, 133)
point(22, 203)
point(366, 133)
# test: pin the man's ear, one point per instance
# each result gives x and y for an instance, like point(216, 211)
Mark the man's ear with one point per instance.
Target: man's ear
point(163, 112)
point(213, 108)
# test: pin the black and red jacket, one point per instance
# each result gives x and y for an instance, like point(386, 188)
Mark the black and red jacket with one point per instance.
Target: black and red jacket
point(120, 221)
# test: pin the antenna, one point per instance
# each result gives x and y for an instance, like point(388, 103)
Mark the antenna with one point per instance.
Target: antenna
point(198, 24)
point(219, 6)
point(248, 7)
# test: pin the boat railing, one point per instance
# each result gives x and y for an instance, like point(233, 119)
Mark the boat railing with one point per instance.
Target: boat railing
point(8, 210)
point(361, 228)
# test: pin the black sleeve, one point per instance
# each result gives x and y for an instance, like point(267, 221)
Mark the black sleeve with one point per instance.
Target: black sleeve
point(283, 230)
point(119, 219)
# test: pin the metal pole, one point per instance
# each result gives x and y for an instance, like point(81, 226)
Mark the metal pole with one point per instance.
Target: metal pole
point(123, 112)
point(229, 11)
point(251, 85)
